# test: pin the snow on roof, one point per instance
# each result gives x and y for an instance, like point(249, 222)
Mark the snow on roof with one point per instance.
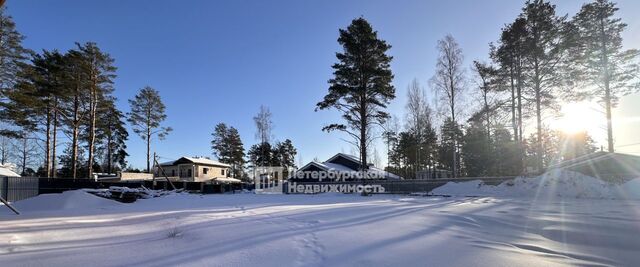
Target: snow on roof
point(207, 161)
point(204, 161)
point(347, 156)
point(6, 172)
point(337, 167)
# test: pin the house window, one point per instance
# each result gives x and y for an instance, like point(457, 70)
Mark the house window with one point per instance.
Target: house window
point(173, 172)
point(221, 171)
point(188, 172)
point(205, 170)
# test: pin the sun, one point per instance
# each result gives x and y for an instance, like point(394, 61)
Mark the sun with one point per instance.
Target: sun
point(576, 118)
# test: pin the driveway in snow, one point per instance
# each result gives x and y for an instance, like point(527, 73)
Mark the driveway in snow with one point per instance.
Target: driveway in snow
point(77, 229)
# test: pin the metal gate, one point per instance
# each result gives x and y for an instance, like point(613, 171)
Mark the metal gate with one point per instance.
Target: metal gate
point(268, 180)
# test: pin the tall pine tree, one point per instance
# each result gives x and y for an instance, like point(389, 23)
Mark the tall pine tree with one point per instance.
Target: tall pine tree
point(12, 54)
point(146, 116)
point(100, 73)
point(228, 148)
point(112, 136)
point(547, 41)
point(361, 87)
point(608, 69)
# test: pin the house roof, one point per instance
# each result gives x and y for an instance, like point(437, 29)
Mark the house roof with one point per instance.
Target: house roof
point(347, 156)
point(331, 166)
point(199, 161)
point(603, 165)
point(588, 157)
point(6, 172)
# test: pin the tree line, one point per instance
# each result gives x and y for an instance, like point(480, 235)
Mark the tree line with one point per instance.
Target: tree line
point(52, 94)
point(227, 146)
point(540, 60)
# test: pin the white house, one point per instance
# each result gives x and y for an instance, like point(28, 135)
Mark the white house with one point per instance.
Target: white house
point(193, 169)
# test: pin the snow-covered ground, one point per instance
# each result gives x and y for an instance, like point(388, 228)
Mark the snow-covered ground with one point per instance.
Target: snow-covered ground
point(79, 229)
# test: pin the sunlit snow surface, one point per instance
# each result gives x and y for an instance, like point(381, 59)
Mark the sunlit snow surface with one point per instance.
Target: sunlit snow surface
point(78, 229)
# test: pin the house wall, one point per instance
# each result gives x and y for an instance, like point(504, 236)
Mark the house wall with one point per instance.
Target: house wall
point(197, 172)
point(212, 172)
point(125, 176)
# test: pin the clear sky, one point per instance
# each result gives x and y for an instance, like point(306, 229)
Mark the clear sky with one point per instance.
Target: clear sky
point(218, 61)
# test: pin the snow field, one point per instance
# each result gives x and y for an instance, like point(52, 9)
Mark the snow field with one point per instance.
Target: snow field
point(320, 230)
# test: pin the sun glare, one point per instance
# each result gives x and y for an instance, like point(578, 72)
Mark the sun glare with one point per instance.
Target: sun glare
point(577, 117)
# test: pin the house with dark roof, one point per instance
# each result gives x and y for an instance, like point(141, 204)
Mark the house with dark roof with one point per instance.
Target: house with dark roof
point(339, 166)
point(604, 165)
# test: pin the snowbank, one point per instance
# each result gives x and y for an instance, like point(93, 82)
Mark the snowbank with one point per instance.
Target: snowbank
point(76, 199)
point(557, 183)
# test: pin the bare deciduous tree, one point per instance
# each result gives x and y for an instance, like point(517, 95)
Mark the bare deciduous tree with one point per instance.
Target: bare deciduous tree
point(418, 118)
point(264, 125)
point(449, 80)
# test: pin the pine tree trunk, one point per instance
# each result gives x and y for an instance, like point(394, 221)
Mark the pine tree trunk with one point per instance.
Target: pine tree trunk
point(539, 127)
point(363, 134)
point(519, 102)
point(110, 152)
point(24, 155)
point(513, 105)
point(54, 141)
point(486, 110)
point(607, 89)
point(149, 137)
point(454, 166)
point(74, 138)
point(609, 121)
point(74, 154)
point(148, 150)
point(92, 129)
point(3, 152)
point(47, 146)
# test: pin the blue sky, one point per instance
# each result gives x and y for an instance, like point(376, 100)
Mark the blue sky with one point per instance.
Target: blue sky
point(218, 61)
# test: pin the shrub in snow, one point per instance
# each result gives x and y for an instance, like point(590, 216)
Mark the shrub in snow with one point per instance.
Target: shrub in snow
point(174, 232)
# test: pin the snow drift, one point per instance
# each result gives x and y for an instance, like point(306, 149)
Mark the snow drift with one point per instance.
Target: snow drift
point(76, 199)
point(556, 183)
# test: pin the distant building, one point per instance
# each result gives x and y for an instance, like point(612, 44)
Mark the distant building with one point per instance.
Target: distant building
point(603, 165)
point(337, 165)
point(433, 174)
point(193, 169)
